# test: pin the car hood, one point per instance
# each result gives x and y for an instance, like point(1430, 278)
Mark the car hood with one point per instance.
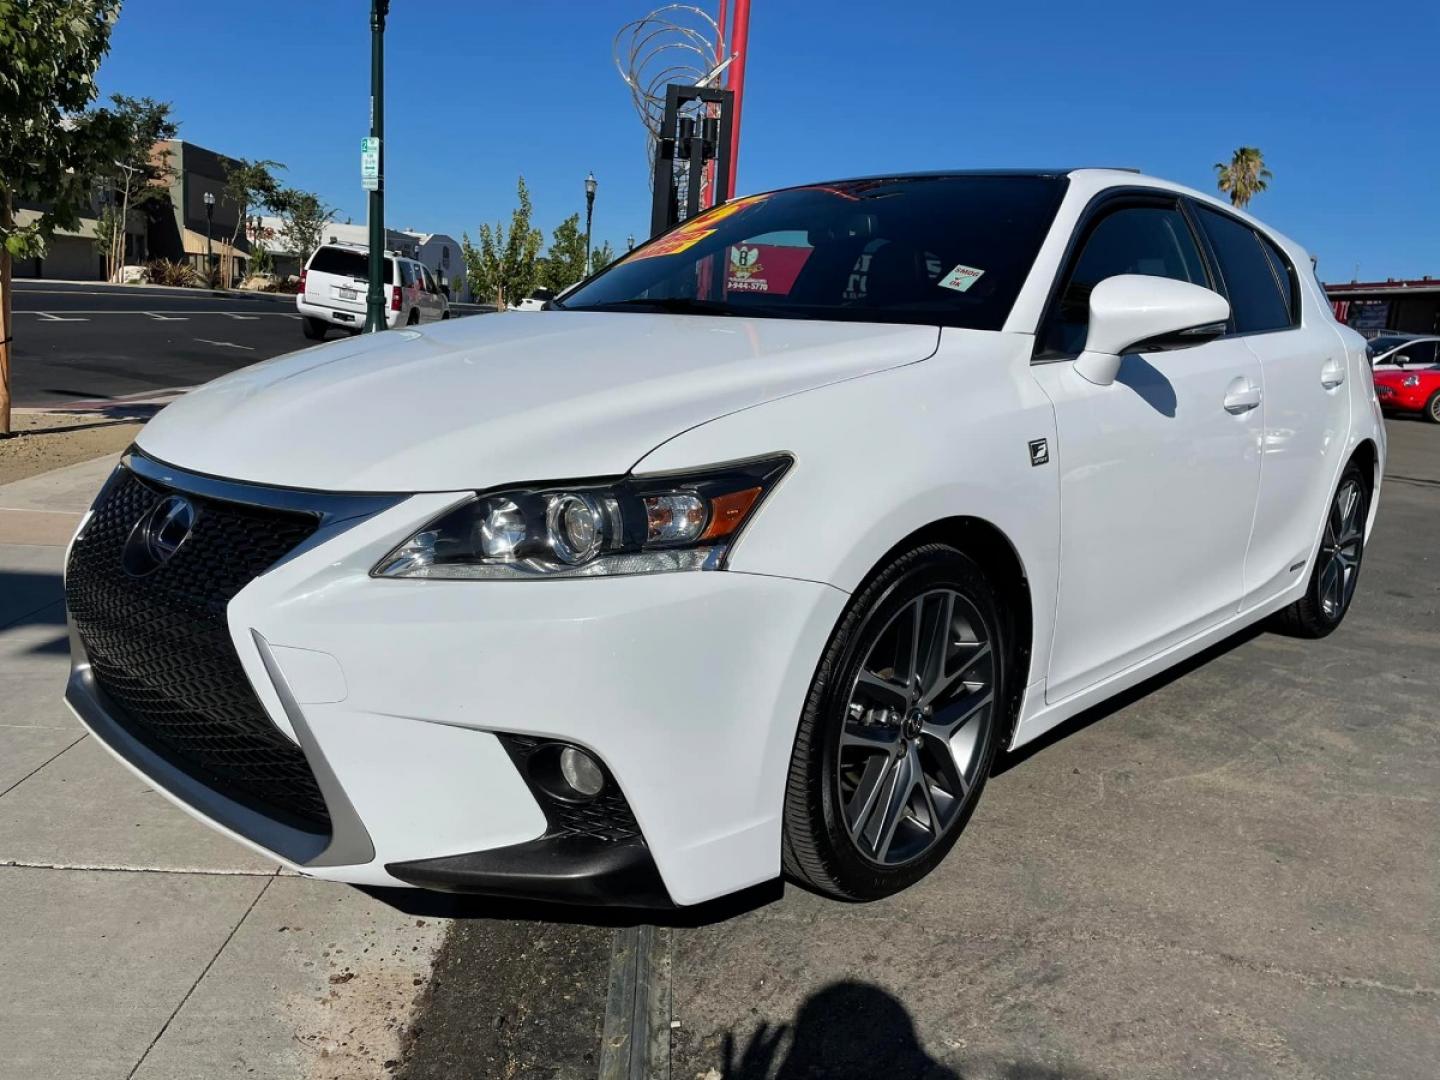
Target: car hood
point(493, 399)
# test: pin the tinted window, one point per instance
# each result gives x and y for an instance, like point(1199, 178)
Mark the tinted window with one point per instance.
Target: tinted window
point(342, 261)
point(407, 274)
point(1256, 303)
point(943, 250)
point(1384, 344)
point(1419, 353)
point(346, 262)
point(1152, 240)
point(1283, 274)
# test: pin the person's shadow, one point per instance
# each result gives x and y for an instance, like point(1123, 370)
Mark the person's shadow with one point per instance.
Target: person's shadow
point(847, 1030)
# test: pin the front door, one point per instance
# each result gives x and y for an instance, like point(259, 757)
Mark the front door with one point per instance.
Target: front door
point(1158, 472)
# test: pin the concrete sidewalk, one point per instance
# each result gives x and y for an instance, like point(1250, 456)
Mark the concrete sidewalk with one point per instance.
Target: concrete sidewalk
point(136, 942)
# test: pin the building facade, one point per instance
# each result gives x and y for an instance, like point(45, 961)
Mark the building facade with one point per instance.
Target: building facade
point(1390, 306)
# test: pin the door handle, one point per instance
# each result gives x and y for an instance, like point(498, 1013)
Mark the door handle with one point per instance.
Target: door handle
point(1332, 374)
point(1241, 395)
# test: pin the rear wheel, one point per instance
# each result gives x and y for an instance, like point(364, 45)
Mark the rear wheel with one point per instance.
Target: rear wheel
point(900, 728)
point(1432, 408)
point(1337, 567)
point(414, 319)
point(314, 329)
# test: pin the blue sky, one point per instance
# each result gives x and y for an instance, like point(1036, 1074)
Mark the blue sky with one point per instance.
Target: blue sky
point(480, 92)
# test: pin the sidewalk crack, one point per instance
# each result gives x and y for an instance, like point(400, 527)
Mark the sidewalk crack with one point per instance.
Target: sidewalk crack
point(199, 978)
point(42, 765)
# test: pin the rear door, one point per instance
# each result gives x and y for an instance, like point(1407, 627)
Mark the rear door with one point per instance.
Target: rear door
point(1307, 404)
point(1158, 472)
point(337, 279)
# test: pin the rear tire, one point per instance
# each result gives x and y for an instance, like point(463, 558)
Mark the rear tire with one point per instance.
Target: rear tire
point(887, 709)
point(1337, 565)
point(314, 329)
point(414, 319)
point(1432, 408)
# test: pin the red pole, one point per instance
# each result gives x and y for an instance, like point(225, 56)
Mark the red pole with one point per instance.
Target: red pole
point(722, 40)
point(737, 83)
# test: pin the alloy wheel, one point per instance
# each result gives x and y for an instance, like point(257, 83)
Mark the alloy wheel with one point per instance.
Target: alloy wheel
point(1340, 549)
point(918, 720)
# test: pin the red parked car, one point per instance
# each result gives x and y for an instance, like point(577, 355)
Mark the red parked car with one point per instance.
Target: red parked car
point(1410, 391)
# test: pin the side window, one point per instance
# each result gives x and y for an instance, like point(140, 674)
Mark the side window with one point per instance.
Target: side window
point(1285, 275)
point(1416, 354)
point(1256, 302)
point(407, 273)
point(1151, 240)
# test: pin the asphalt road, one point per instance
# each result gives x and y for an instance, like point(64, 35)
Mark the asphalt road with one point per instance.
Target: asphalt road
point(1233, 871)
point(82, 342)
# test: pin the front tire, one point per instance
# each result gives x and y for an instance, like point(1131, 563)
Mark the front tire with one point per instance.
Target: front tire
point(1337, 566)
point(900, 728)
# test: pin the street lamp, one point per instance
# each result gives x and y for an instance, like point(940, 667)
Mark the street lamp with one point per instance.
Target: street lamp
point(590, 185)
point(630, 242)
point(209, 218)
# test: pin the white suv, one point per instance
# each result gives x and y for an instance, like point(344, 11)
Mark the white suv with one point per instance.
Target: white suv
point(333, 285)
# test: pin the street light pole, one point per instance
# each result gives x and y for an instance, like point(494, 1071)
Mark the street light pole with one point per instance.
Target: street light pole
point(630, 242)
point(590, 184)
point(209, 217)
point(375, 295)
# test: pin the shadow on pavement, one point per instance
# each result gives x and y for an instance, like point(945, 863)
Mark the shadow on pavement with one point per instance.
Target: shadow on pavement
point(1008, 760)
point(30, 598)
point(854, 1031)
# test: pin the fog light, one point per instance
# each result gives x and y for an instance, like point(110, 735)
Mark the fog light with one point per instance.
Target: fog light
point(581, 771)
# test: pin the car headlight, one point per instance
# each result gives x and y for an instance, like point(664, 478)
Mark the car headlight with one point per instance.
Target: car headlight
point(1410, 380)
point(636, 525)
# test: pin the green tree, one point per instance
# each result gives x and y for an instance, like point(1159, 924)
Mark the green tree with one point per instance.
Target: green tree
point(601, 257)
point(504, 265)
point(564, 261)
point(248, 184)
point(138, 178)
point(1245, 177)
point(51, 149)
point(304, 217)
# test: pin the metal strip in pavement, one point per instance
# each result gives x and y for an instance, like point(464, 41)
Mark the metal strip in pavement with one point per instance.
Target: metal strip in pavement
point(635, 1044)
point(55, 318)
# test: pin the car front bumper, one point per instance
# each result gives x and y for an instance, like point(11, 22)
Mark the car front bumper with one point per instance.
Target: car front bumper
point(403, 693)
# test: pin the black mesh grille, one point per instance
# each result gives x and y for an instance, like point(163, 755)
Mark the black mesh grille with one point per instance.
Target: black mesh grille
point(161, 651)
point(606, 817)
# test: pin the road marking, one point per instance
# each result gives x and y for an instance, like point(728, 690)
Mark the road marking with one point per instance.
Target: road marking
point(164, 318)
point(232, 315)
point(57, 318)
point(228, 344)
point(156, 314)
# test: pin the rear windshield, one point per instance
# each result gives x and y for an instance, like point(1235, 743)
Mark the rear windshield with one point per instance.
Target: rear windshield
point(347, 262)
point(946, 250)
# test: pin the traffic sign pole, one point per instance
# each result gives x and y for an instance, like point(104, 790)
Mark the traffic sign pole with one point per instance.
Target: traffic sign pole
point(372, 169)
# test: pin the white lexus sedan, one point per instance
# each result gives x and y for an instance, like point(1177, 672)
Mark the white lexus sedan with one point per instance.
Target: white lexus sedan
point(745, 559)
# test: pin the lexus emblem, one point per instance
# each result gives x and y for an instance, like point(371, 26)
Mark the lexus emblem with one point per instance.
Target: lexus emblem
point(159, 534)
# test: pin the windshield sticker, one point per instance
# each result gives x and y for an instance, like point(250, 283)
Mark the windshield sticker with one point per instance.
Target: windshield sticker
point(678, 241)
point(961, 278)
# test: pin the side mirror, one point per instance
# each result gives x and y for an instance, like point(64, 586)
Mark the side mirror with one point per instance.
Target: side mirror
point(1133, 312)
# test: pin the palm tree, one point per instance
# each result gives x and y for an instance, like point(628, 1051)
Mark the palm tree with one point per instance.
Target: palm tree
point(1245, 177)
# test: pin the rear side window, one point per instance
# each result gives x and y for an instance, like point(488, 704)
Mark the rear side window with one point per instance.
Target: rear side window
point(1256, 302)
point(1152, 240)
point(407, 274)
point(1284, 275)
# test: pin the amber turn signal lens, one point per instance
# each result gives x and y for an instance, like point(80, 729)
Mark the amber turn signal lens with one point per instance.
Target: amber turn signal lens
point(728, 511)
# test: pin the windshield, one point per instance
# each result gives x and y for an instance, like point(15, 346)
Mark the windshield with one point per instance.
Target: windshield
point(950, 250)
